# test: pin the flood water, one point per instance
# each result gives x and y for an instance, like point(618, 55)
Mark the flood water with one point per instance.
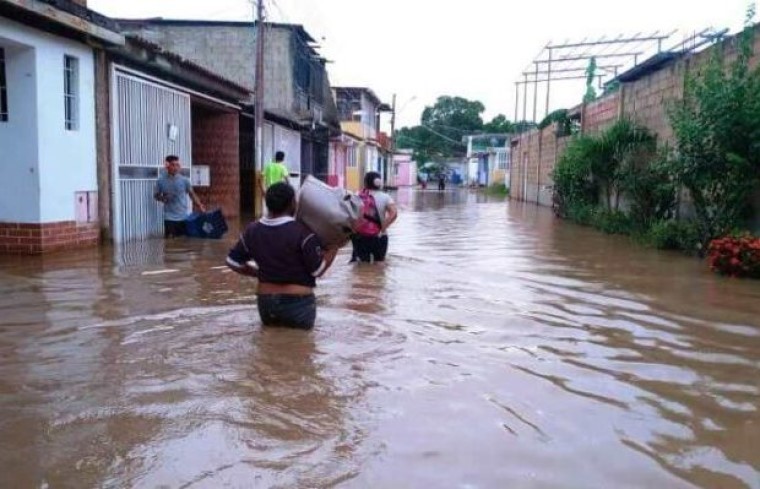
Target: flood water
point(497, 348)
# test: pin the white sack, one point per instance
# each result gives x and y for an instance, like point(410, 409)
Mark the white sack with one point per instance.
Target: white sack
point(330, 212)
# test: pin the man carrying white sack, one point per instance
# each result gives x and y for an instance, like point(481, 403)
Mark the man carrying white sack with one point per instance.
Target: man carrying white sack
point(288, 257)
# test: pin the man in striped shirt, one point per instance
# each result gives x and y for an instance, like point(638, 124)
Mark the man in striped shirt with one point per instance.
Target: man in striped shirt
point(288, 258)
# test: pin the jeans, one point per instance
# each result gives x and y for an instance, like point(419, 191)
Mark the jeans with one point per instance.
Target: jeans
point(292, 311)
point(368, 249)
point(172, 229)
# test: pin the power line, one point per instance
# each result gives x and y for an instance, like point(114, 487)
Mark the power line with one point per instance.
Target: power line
point(283, 16)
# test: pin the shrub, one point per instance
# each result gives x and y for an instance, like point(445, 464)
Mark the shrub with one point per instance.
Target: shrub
point(673, 235)
point(612, 222)
point(574, 185)
point(651, 192)
point(498, 190)
point(599, 165)
point(735, 256)
point(623, 147)
point(581, 213)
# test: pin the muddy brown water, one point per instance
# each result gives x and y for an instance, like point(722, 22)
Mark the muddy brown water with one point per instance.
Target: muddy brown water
point(497, 348)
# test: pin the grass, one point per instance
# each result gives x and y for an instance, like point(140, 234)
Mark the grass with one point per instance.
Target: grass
point(498, 190)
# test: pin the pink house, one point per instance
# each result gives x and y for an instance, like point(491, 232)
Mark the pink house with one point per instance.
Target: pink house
point(404, 169)
point(337, 158)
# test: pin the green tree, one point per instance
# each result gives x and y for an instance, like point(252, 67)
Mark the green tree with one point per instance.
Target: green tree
point(454, 112)
point(498, 125)
point(421, 141)
point(590, 95)
point(717, 133)
point(442, 129)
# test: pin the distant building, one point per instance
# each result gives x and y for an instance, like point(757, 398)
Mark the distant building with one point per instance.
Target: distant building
point(48, 147)
point(404, 172)
point(87, 115)
point(488, 159)
point(359, 113)
point(299, 108)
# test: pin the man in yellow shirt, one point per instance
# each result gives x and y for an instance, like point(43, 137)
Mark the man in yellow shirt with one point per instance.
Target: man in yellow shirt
point(274, 172)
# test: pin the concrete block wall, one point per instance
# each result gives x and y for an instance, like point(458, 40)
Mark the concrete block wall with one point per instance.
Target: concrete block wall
point(600, 114)
point(228, 50)
point(278, 74)
point(216, 144)
point(645, 100)
point(534, 182)
point(225, 50)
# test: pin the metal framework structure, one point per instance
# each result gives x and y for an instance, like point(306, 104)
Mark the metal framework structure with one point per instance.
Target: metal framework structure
point(570, 60)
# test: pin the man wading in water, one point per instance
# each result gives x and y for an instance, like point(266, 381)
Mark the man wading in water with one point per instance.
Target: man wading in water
point(172, 189)
point(289, 258)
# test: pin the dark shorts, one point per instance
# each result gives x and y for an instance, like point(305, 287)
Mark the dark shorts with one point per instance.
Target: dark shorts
point(292, 311)
point(174, 228)
point(368, 249)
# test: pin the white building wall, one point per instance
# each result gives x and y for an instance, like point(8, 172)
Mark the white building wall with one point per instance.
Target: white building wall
point(62, 161)
point(19, 172)
point(369, 117)
point(68, 159)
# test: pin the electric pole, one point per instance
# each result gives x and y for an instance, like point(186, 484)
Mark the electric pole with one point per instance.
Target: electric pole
point(258, 105)
point(393, 124)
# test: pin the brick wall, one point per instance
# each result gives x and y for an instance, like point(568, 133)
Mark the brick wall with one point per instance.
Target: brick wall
point(644, 100)
point(35, 239)
point(600, 114)
point(216, 144)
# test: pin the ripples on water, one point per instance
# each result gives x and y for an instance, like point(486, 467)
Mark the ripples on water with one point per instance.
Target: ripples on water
point(496, 348)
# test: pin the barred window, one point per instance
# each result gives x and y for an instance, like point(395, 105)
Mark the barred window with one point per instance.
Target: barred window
point(71, 92)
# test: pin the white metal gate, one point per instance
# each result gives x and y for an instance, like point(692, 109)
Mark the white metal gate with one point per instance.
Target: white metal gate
point(149, 121)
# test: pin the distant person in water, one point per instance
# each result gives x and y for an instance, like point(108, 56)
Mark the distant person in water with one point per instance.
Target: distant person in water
point(172, 189)
point(370, 242)
point(441, 182)
point(288, 259)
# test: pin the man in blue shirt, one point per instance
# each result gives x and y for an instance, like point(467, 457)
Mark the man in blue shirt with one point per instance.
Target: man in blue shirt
point(172, 189)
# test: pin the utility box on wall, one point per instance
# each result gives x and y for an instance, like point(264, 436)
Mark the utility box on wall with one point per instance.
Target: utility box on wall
point(86, 207)
point(200, 176)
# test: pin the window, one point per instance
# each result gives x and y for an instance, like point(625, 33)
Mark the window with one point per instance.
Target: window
point(71, 92)
point(502, 160)
point(3, 89)
point(351, 157)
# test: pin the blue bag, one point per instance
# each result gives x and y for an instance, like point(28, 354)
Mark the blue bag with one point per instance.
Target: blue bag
point(209, 225)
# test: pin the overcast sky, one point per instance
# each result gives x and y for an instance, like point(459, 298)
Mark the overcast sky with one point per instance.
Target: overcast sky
point(420, 49)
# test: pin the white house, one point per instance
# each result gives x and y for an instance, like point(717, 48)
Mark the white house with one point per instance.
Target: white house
point(488, 159)
point(47, 125)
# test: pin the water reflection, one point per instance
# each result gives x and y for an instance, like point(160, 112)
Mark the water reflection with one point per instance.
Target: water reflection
point(496, 348)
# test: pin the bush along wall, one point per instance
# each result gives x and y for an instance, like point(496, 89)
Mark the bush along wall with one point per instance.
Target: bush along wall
point(714, 160)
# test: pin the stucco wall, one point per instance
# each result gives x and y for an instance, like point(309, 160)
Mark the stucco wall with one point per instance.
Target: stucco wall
point(19, 169)
point(45, 164)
